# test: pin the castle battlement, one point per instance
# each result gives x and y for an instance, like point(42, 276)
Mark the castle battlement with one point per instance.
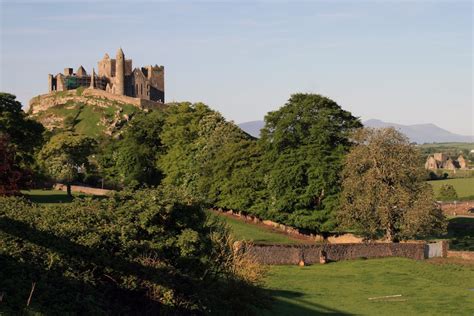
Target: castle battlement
point(115, 76)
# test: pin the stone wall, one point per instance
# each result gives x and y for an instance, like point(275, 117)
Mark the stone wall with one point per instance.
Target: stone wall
point(466, 255)
point(278, 254)
point(458, 208)
point(343, 238)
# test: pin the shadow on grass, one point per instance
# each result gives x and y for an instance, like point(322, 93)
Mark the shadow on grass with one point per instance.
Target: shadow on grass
point(292, 303)
point(51, 197)
point(461, 233)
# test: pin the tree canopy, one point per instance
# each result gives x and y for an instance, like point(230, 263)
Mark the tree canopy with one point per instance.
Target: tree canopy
point(447, 193)
point(132, 160)
point(65, 154)
point(383, 190)
point(304, 143)
point(25, 135)
point(12, 176)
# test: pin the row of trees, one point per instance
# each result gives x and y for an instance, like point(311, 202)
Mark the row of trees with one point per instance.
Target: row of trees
point(313, 167)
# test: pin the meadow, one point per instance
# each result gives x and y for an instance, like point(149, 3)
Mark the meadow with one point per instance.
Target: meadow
point(344, 288)
point(463, 186)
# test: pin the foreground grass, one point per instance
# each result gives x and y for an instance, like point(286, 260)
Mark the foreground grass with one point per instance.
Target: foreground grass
point(463, 186)
point(251, 232)
point(344, 288)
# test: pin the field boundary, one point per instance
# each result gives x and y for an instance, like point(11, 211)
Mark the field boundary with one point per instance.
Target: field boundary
point(83, 189)
point(292, 231)
point(466, 255)
point(455, 208)
point(282, 254)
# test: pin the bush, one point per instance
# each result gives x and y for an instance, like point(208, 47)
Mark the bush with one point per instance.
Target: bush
point(152, 251)
point(447, 193)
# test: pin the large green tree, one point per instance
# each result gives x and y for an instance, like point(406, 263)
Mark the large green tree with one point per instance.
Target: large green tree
point(304, 143)
point(180, 132)
point(25, 135)
point(384, 192)
point(65, 155)
point(132, 160)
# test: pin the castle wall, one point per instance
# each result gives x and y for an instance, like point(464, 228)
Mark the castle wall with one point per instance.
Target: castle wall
point(60, 83)
point(128, 67)
point(140, 85)
point(48, 100)
point(441, 157)
point(116, 76)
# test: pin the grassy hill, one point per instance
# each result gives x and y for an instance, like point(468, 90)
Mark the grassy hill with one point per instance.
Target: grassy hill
point(86, 114)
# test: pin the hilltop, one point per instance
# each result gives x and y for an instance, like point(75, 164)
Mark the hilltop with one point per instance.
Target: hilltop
point(90, 112)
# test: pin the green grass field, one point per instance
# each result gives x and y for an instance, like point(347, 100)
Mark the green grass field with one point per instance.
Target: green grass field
point(345, 288)
point(463, 186)
point(251, 232)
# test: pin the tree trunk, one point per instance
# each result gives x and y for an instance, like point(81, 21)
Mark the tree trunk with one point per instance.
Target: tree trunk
point(68, 186)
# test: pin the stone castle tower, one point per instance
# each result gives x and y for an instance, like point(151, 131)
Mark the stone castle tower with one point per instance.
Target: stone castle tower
point(120, 73)
point(115, 76)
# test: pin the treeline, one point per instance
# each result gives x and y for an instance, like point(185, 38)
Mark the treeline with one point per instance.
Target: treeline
point(290, 175)
point(294, 174)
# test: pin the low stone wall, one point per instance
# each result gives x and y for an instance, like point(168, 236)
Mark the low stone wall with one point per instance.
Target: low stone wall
point(344, 238)
point(278, 254)
point(466, 255)
point(82, 189)
point(457, 208)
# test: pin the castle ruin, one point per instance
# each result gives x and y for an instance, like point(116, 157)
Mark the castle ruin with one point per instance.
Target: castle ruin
point(443, 161)
point(115, 76)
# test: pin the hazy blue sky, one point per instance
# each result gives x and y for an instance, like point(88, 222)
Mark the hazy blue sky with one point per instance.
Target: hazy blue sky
point(405, 62)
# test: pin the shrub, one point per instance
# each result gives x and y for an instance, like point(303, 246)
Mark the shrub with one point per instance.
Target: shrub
point(447, 193)
point(152, 251)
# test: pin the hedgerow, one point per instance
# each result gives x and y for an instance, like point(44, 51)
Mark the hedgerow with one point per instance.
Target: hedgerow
point(150, 251)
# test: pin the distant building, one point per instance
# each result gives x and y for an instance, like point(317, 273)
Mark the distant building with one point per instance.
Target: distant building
point(442, 161)
point(115, 76)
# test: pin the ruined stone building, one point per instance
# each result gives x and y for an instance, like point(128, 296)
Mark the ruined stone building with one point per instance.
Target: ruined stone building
point(443, 161)
point(116, 76)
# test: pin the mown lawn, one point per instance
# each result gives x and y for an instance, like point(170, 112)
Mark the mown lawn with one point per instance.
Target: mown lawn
point(345, 288)
point(463, 186)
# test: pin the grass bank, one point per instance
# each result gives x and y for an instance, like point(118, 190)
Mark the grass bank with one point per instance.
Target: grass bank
point(257, 233)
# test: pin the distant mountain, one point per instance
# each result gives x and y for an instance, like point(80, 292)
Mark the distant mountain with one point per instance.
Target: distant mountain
point(253, 128)
point(419, 133)
point(423, 133)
